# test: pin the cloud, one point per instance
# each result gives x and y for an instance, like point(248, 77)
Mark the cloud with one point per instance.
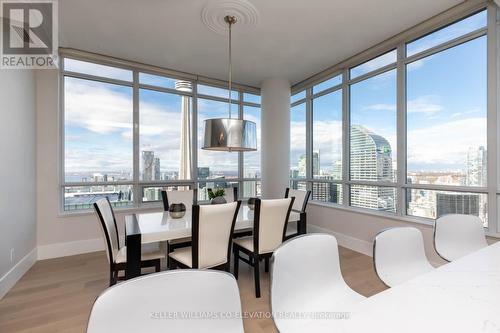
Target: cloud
point(424, 104)
point(445, 143)
point(381, 107)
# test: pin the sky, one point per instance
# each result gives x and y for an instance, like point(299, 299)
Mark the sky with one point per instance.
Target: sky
point(446, 113)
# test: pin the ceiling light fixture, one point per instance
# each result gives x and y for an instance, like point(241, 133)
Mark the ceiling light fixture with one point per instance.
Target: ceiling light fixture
point(228, 134)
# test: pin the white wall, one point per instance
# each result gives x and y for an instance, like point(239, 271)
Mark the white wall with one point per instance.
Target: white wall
point(57, 234)
point(17, 171)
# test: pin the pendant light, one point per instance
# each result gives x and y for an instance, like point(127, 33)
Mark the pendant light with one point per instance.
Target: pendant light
point(230, 134)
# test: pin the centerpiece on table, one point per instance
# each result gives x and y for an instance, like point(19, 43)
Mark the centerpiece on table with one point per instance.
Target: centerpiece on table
point(177, 210)
point(217, 197)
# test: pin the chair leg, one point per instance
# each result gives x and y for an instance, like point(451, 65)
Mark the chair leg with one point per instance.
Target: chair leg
point(112, 280)
point(236, 259)
point(158, 266)
point(266, 262)
point(256, 276)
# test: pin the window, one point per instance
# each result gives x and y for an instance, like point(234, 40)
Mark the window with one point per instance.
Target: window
point(374, 64)
point(98, 123)
point(298, 96)
point(334, 81)
point(446, 98)
point(100, 133)
point(298, 155)
point(373, 128)
point(165, 136)
point(455, 30)
point(438, 114)
point(433, 204)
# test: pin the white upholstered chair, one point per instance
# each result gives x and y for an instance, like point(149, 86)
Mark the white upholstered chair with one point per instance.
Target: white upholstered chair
point(187, 197)
point(306, 278)
point(156, 304)
point(212, 230)
point(116, 254)
point(299, 205)
point(456, 235)
point(269, 226)
point(399, 255)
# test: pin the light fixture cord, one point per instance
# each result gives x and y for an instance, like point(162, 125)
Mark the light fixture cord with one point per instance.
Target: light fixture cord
point(230, 70)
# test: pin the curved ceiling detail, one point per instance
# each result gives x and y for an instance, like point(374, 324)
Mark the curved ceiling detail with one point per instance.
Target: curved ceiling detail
point(214, 12)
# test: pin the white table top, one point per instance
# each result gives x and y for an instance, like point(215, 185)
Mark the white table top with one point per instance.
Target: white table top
point(461, 296)
point(159, 226)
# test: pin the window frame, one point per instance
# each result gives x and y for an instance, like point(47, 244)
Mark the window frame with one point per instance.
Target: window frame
point(137, 184)
point(492, 190)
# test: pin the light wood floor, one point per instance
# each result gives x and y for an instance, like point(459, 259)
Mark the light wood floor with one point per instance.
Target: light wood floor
point(56, 295)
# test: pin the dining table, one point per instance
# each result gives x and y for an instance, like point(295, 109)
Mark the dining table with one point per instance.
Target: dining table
point(147, 228)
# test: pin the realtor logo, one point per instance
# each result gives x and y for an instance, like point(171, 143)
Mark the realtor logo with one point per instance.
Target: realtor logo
point(29, 34)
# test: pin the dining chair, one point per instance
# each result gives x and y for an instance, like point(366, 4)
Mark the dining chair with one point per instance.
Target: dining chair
point(212, 230)
point(269, 227)
point(175, 302)
point(187, 197)
point(306, 279)
point(230, 193)
point(299, 205)
point(116, 254)
point(456, 235)
point(399, 255)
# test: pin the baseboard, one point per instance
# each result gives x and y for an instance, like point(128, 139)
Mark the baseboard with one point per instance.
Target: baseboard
point(15, 273)
point(355, 244)
point(69, 248)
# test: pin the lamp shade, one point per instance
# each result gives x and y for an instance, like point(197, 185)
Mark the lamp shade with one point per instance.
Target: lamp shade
point(227, 134)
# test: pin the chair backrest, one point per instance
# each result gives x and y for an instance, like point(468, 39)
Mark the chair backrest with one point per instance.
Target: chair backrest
point(212, 230)
point(456, 235)
point(108, 226)
point(230, 193)
point(187, 197)
point(301, 198)
point(399, 255)
point(303, 269)
point(160, 303)
point(270, 222)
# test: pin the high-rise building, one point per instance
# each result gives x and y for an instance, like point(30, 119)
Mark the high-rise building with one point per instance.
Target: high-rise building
point(203, 172)
point(326, 192)
point(156, 168)
point(476, 167)
point(457, 204)
point(371, 159)
point(303, 164)
point(147, 164)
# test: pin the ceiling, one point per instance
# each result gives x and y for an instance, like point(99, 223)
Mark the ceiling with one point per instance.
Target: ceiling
point(292, 39)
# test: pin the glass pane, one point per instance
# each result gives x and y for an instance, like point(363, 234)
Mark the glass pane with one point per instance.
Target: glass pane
point(374, 197)
point(91, 68)
point(327, 192)
point(252, 189)
point(373, 128)
point(298, 185)
point(215, 164)
point(251, 160)
point(204, 186)
point(455, 30)
point(251, 98)
point(334, 81)
point(433, 204)
point(298, 96)
point(153, 193)
point(97, 131)
point(164, 82)
point(376, 63)
point(327, 136)
point(217, 92)
point(446, 119)
point(82, 197)
point(165, 136)
point(298, 141)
